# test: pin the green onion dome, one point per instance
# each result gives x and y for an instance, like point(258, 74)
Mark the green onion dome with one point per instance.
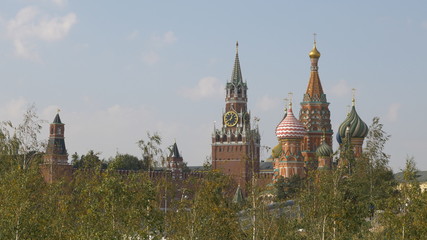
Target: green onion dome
point(357, 128)
point(276, 151)
point(324, 150)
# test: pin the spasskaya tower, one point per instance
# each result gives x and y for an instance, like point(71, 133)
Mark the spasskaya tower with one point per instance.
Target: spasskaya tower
point(235, 145)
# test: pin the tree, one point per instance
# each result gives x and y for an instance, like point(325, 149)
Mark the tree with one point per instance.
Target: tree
point(152, 154)
point(381, 179)
point(125, 162)
point(407, 211)
point(209, 215)
point(89, 161)
point(21, 142)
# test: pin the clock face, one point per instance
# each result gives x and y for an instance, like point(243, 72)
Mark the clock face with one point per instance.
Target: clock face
point(231, 118)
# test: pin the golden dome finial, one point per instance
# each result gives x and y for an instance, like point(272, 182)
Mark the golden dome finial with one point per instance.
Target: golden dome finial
point(314, 52)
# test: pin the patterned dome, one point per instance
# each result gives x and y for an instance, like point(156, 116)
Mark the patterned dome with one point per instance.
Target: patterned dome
point(324, 150)
point(357, 128)
point(290, 127)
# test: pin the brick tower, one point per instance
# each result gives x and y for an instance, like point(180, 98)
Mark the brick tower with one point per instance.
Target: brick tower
point(55, 164)
point(235, 146)
point(175, 163)
point(315, 114)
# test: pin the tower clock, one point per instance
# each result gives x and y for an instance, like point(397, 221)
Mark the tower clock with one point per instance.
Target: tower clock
point(235, 145)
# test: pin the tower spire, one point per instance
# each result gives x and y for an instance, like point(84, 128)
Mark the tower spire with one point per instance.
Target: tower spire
point(314, 91)
point(236, 77)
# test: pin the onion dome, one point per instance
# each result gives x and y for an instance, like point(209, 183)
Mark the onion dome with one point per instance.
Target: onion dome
point(290, 127)
point(339, 139)
point(356, 127)
point(314, 53)
point(324, 150)
point(276, 151)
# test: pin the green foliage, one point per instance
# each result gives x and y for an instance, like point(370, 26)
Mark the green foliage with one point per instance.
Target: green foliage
point(406, 214)
point(358, 200)
point(125, 162)
point(209, 215)
point(152, 153)
point(287, 188)
point(20, 143)
point(89, 161)
point(21, 200)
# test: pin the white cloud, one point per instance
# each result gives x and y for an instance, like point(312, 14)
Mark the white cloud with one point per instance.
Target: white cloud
point(14, 109)
point(393, 112)
point(156, 44)
point(30, 25)
point(267, 103)
point(133, 35)
point(341, 89)
point(206, 87)
point(151, 58)
point(60, 3)
point(166, 38)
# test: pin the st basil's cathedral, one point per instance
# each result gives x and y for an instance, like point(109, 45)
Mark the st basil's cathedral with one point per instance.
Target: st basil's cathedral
point(304, 143)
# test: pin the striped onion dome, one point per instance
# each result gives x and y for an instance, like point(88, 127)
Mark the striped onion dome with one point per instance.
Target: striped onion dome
point(357, 128)
point(290, 127)
point(324, 150)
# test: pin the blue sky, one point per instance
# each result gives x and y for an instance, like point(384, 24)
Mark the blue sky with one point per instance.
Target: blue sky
point(117, 70)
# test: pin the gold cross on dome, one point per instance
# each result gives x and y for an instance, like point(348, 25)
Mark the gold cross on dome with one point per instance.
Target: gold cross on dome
point(286, 100)
point(353, 100)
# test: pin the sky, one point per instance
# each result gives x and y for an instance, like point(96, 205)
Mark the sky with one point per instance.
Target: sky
point(118, 69)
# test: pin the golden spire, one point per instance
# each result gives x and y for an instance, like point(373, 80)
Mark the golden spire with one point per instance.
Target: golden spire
point(314, 52)
point(290, 99)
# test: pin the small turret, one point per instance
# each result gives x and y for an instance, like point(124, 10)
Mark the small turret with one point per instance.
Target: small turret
point(175, 163)
point(324, 154)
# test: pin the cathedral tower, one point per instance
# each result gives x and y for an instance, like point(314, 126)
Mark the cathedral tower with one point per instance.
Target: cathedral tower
point(353, 129)
point(235, 145)
point(290, 132)
point(315, 114)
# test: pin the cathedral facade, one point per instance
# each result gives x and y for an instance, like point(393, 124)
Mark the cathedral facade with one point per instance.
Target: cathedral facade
point(306, 143)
